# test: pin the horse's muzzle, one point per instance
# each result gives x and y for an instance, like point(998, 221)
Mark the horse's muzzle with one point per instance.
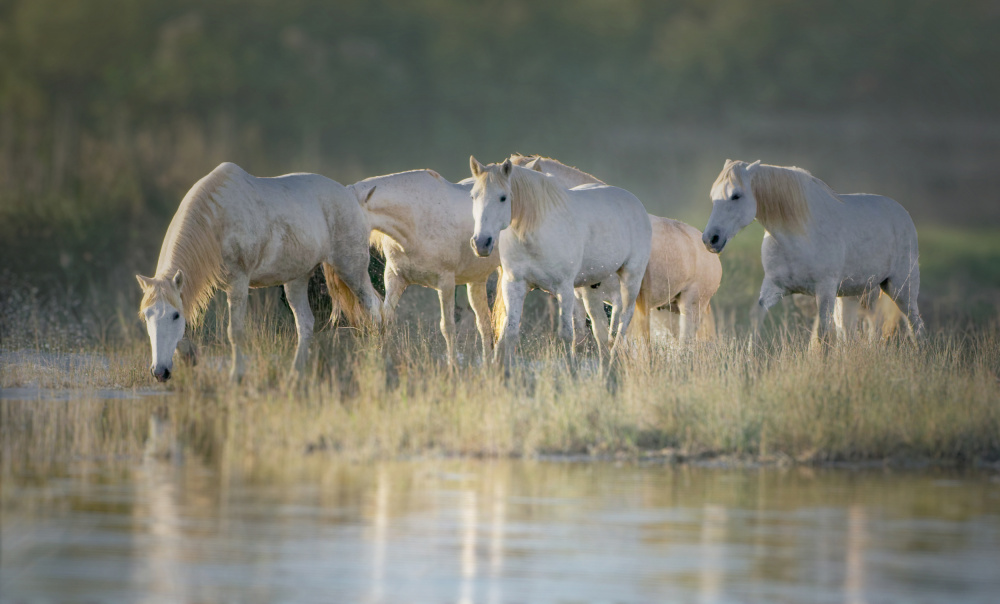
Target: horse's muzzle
point(483, 246)
point(161, 374)
point(713, 241)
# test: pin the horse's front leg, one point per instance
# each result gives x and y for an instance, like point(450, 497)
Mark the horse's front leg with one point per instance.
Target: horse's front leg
point(395, 285)
point(512, 293)
point(481, 307)
point(770, 294)
point(446, 297)
point(826, 302)
point(236, 295)
point(297, 294)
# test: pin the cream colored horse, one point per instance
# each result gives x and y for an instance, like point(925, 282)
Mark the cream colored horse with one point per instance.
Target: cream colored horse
point(818, 242)
point(234, 231)
point(681, 275)
point(421, 223)
point(556, 240)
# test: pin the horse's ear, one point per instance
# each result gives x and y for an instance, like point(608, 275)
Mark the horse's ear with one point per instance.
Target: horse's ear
point(476, 167)
point(753, 167)
point(178, 280)
point(535, 164)
point(144, 282)
point(506, 167)
point(369, 195)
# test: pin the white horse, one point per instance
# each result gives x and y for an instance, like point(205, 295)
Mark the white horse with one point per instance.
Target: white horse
point(558, 240)
point(681, 275)
point(818, 242)
point(421, 223)
point(234, 231)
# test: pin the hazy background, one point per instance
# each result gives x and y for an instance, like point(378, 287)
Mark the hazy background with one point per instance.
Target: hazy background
point(111, 109)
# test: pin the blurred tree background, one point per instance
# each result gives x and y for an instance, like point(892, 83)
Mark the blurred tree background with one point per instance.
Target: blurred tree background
point(111, 109)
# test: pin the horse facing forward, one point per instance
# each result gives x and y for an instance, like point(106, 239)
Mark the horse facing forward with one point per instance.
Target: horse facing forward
point(681, 275)
point(556, 240)
point(818, 242)
point(234, 231)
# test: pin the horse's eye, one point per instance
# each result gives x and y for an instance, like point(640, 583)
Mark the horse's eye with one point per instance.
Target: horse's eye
point(503, 198)
point(177, 315)
point(736, 196)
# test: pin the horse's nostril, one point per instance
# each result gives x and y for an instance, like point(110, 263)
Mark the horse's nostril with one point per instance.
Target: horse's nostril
point(715, 239)
point(488, 241)
point(166, 374)
point(152, 370)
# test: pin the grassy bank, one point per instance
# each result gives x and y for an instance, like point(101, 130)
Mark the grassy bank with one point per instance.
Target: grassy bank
point(393, 397)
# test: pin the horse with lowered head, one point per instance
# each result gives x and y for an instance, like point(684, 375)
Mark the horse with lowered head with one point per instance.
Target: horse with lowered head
point(816, 241)
point(234, 231)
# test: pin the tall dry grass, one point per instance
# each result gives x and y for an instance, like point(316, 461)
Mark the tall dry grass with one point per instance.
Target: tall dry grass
point(392, 396)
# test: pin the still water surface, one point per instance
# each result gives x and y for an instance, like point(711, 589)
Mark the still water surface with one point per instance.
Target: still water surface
point(149, 529)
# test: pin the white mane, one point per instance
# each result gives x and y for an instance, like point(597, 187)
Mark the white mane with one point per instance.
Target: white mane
point(193, 246)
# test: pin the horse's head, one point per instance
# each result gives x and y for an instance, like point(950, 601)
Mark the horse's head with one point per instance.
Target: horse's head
point(491, 198)
point(163, 313)
point(733, 204)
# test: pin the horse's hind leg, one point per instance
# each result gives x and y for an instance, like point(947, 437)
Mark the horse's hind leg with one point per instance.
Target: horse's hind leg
point(480, 306)
point(905, 297)
point(236, 295)
point(594, 305)
point(297, 294)
point(689, 305)
point(567, 314)
point(630, 283)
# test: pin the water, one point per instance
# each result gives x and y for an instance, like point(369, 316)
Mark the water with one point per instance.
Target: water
point(166, 527)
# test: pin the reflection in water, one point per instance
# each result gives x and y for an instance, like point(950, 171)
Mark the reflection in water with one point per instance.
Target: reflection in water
point(713, 545)
point(380, 526)
point(854, 577)
point(470, 531)
point(496, 539)
point(468, 505)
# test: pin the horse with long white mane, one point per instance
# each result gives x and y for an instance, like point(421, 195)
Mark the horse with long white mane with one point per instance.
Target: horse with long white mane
point(558, 240)
point(421, 224)
point(816, 241)
point(234, 231)
point(681, 275)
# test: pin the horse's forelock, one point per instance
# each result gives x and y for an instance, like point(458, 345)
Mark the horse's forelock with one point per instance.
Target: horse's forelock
point(160, 289)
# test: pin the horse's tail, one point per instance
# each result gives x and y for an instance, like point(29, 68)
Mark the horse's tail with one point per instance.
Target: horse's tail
point(706, 329)
point(499, 310)
point(344, 300)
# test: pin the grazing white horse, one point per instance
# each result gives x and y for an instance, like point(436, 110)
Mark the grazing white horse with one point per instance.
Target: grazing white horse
point(558, 240)
point(421, 223)
point(818, 242)
point(681, 275)
point(234, 231)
